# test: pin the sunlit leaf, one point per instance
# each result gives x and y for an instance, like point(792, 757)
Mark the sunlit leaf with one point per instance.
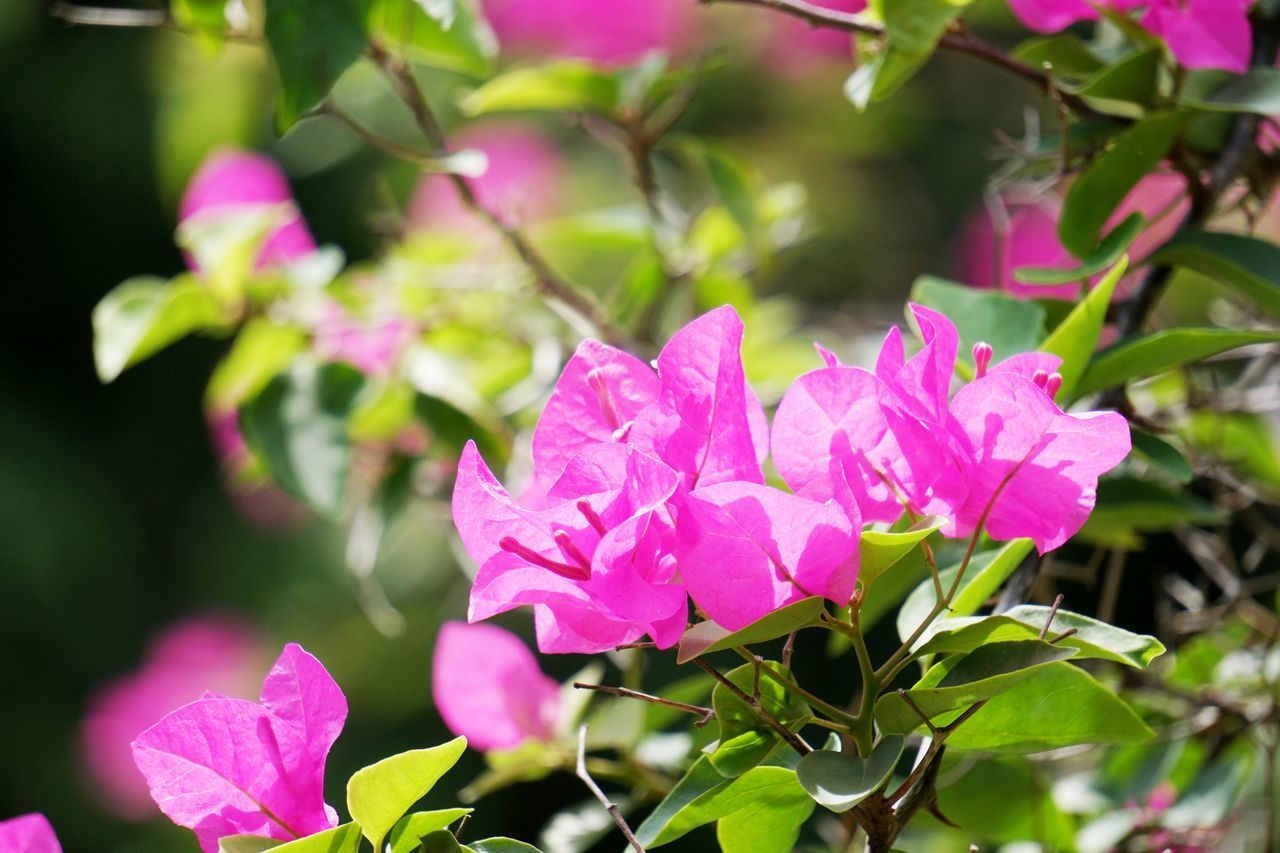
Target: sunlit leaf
point(707, 636)
point(1138, 358)
point(143, 316)
point(380, 794)
point(1010, 325)
point(1076, 338)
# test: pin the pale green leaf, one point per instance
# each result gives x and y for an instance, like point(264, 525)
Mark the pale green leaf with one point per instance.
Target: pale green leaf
point(380, 794)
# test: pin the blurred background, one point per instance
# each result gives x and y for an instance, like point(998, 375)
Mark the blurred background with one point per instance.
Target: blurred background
point(117, 519)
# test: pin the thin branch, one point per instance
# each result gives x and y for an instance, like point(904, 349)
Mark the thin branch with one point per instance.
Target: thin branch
point(792, 686)
point(924, 718)
point(707, 714)
point(1053, 613)
point(960, 42)
point(797, 743)
point(610, 806)
point(129, 19)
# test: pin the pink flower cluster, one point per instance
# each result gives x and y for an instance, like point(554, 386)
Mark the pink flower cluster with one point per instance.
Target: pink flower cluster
point(652, 488)
point(1199, 33)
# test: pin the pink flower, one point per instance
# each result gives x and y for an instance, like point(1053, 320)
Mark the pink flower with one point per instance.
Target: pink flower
point(595, 565)
point(523, 182)
point(746, 550)
point(607, 31)
point(221, 766)
point(233, 179)
point(30, 833)
point(489, 689)
point(186, 659)
point(372, 346)
point(256, 497)
point(794, 47)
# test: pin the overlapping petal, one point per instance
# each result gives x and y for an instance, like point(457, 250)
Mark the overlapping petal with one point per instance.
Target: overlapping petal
point(30, 833)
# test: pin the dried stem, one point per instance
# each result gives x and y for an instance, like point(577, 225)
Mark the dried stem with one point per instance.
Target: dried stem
point(610, 806)
point(707, 714)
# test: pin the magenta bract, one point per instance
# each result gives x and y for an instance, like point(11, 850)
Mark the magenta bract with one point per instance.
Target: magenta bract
point(30, 833)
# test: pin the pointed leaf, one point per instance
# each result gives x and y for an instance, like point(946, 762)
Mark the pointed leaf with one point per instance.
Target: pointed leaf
point(881, 551)
point(409, 831)
point(380, 794)
point(839, 782)
point(143, 316)
point(341, 839)
point(707, 637)
point(1249, 264)
point(1076, 337)
point(1139, 358)
point(312, 42)
point(1108, 254)
point(761, 788)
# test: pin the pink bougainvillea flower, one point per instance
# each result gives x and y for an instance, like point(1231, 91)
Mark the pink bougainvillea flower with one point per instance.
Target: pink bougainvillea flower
point(523, 181)
point(596, 564)
point(372, 346)
point(488, 687)
point(795, 47)
point(1035, 468)
point(233, 179)
point(221, 766)
point(707, 422)
point(1204, 33)
point(746, 550)
point(256, 497)
point(607, 31)
point(30, 833)
point(197, 654)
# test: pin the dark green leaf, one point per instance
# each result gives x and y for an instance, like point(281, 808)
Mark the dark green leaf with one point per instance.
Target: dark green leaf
point(1161, 454)
point(299, 425)
point(963, 680)
point(1064, 53)
point(143, 316)
point(1026, 811)
point(501, 845)
point(700, 780)
point(439, 841)
point(1108, 253)
point(1133, 79)
point(438, 33)
point(839, 782)
point(707, 637)
point(1139, 358)
point(1249, 264)
point(1058, 705)
point(1257, 91)
point(1010, 325)
point(1127, 506)
point(455, 428)
point(312, 42)
point(1212, 796)
point(408, 832)
point(1096, 194)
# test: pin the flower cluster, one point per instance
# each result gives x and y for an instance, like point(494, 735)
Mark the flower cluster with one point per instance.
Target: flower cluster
point(649, 482)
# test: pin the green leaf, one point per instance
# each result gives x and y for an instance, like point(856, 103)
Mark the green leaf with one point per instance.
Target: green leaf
point(262, 350)
point(771, 824)
point(1065, 54)
point(1127, 506)
point(1161, 454)
point(143, 316)
point(1133, 79)
point(1108, 253)
point(501, 845)
point(566, 85)
point(963, 680)
point(700, 780)
point(453, 427)
point(1093, 638)
point(1257, 91)
point(888, 592)
point(1139, 358)
point(707, 637)
point(299, 425)
point(408, 832)
point(985, 574)
point(1249, 264)
point(439, 841)
point(1058, 705)
point(206, 19)
point(767, 788)
point(437, 33)
point(1010, 325)
point(1026, 811)
point(745, 739)
point(340, 839)
point(1096, 194)
point(731, 180)
point(1076, 338)
point(839, 782)
point(1212, 796)
point(246, 844)
point(880, 551)
point(380, 794)
point(312, 42)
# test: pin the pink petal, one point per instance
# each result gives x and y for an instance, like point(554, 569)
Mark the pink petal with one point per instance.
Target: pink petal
point(745, 550)
point(29, 833)
point(1051, 16)
point(1204, 33)
point(1027, 364)
point(1035, 470)
point(608, 31)
point(1028, 237)
point(598, 395)
point(300, 691)
point(218, 766)
point(923, 382)
point(702, 423)
point(488, 687)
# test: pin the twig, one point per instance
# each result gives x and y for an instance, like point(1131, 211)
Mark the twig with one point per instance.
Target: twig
point(797, 743)
point(707, 714)
point(911, 703)
point(610, 806)
point(960, 42)
point(793, 686)
point(131, 19)
point(1053, 612)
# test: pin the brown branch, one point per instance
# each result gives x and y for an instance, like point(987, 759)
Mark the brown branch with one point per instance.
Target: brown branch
point(130, 19)
point(959, 42)
point(610, 806)
point(707, 714)
point(797, 743)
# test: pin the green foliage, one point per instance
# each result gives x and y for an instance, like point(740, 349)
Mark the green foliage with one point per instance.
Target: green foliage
point(144, 315)
point(768, 803)
point(880, 551)
point(1134, 80)
point(1248, 264)
point(1106, 255)
point(567, 85)
point(1256, 91)
point(409, 831)
point(1010, 325)
point(745, 738)
point(839, 782)
point(1138, 358)
point(1075, 338)
point(707, 637)
point(380, 794)
point(312, 42)
point(340, 839)
point(445, 34)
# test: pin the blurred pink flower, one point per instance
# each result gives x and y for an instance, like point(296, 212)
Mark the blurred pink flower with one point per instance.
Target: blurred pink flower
point(523, 182)
point(606, 31)
point(488, 687)
point(29, 833)
point(197, 654)
point(256, 497)
point(232, 178)
point(372, 346)
point(794, 47)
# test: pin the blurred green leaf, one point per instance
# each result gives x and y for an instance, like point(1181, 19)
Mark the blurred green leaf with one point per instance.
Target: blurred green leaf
point(1138, 358)
point(839, 782)
point(1245, 441)
point(1010, 325)
point(959, 681)
point(1161, 454)
point(1027, 811)
point(1257, 91)
point(732, 181)
point(439, 841)
point(772, 790)
point(312, 42)
point(1128, 506)
point(912, 31)
point(1065, 53)
point(380, 794)
point(455, 428)
point(143, 316)
point(1108, 253)
point(879, 551)
point(569, 85)
point(299, 425)
point(707, 636)
point(205, 19)
point(409, 830)
point(1134, 79)
point(1076, 338)
point(1249, 264)
point(1058, 705)
point(1096, 194)
point(437, 33)
point(501, 845)
point(745, 739)
point(262, 349)
point(246, 844)
point(1212, 796)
